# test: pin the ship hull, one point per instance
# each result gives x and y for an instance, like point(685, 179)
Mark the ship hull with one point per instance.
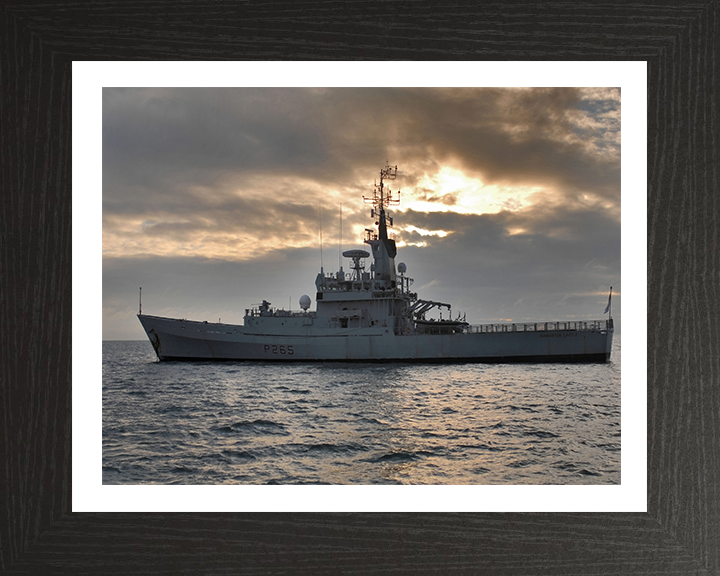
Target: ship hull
point(175, 339)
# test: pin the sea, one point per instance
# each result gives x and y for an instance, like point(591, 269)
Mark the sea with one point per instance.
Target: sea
point(205, 423)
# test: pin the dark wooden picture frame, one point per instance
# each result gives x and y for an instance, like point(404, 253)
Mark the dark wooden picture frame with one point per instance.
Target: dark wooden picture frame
point(681, 530)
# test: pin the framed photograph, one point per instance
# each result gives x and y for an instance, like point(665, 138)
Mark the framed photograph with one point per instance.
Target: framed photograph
point(64, 514)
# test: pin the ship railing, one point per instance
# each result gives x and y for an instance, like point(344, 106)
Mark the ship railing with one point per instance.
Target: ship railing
point(575, 326)
point(277, 313)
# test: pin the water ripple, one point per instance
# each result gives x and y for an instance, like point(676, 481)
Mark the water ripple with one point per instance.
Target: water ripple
point(255, 423)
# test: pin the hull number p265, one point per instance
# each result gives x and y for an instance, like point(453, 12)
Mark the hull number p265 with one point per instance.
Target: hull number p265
point(275, 349)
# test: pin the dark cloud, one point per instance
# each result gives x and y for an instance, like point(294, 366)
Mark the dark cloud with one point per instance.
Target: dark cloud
point(197, 135)
point(563, 242)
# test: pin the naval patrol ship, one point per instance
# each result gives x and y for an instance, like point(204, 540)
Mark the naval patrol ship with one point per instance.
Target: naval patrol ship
point(371, 315)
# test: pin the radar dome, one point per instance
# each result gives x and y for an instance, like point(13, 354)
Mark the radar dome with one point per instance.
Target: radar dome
point(402, 268)
point(304, 301)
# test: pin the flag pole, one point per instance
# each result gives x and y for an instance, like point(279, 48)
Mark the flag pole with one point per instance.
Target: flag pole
point(608, 308)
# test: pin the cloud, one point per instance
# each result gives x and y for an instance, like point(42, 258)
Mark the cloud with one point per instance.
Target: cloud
point(190, 136)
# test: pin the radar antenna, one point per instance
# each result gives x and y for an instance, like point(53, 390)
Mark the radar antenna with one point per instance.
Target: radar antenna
point(382, 199)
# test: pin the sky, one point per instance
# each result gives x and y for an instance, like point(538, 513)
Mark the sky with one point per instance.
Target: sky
point(214, 198)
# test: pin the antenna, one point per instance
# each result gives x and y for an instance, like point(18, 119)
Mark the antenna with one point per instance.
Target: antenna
point(140, 311)
point(340, 239)
point(380, 199)
point(321, 246)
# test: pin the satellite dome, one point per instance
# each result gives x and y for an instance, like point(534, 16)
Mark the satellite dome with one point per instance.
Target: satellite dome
point(304, 301)
point(402, 268)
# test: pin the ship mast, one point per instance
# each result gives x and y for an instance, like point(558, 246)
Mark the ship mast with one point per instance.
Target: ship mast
point(383, 248)
point(380, 200)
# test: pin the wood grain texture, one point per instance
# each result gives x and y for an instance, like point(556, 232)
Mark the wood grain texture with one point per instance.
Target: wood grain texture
point(681, 532)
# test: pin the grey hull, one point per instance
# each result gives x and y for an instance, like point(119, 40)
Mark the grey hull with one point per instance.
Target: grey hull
point(175, 339)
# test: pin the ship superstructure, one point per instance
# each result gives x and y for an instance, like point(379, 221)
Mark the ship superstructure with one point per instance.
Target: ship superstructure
point(370, 314)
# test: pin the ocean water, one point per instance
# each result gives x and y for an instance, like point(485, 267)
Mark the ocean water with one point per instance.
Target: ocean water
point(255, 423)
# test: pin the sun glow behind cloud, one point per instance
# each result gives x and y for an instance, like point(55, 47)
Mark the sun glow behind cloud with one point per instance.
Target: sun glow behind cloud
point(423, 232)
point(245, 220)
point(451, 190)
